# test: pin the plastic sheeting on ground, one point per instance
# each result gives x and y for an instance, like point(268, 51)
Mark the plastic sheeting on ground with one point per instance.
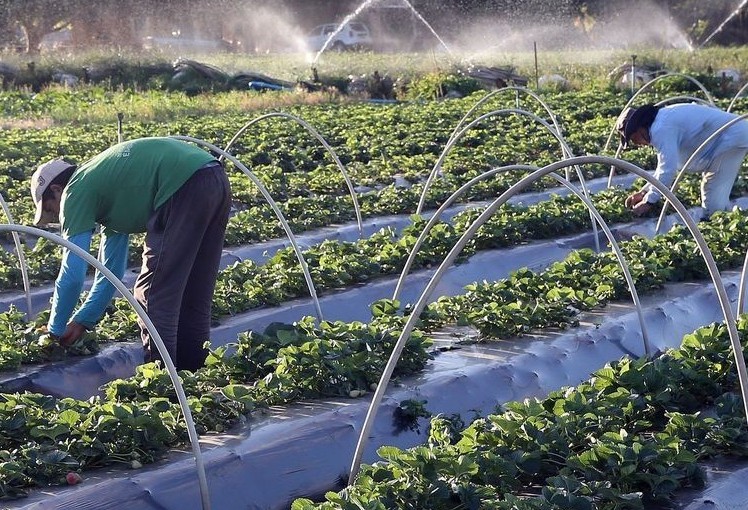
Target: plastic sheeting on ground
point(82, 377)
point(306, 449)
point(726, 483)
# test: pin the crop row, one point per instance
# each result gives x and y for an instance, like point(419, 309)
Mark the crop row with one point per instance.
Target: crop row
point(42, 437)
point(334, 264)
point(250, 226)
point(586, 280)
point(627, 438)
point(260, 223)
point(374, 142)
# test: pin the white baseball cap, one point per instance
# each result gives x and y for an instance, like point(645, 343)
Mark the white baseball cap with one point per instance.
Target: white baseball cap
point(40, 181)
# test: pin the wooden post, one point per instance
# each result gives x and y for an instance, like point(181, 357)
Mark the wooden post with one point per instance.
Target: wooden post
point(537, 79)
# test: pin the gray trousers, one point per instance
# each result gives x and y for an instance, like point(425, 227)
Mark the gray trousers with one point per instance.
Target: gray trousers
point(183, 244)
point(717, 183)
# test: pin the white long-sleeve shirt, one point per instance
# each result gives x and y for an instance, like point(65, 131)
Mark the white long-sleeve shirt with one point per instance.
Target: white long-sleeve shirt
point(679, 129)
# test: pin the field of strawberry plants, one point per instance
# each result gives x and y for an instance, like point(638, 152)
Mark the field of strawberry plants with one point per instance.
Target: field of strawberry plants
point(630, 437)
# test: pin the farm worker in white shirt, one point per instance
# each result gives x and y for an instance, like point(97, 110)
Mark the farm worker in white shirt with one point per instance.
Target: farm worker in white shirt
point(675, 132)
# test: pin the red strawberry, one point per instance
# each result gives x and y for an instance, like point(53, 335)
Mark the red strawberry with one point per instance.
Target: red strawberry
point(73, 478)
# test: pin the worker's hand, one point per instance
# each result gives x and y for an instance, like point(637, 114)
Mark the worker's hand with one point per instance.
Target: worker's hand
point(634, 199)
point(642, 208)
point(72, 333)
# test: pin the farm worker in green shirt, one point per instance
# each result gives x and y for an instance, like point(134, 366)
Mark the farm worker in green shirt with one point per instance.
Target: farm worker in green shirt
point(175, 192)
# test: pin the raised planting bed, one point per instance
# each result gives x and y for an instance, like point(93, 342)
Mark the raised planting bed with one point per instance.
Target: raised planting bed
point(261, 252)
point(336, 264)
point(82, 377)
point(340, 357)
point(306, 449)
point(631, 436)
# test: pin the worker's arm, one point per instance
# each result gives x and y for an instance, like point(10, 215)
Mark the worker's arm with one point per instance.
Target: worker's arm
point(668, 164)
point(113, 254)
point(68, 285)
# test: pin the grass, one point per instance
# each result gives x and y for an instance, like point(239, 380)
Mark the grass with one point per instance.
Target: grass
point(297, 66)
point(157, 106)
point(144, 101)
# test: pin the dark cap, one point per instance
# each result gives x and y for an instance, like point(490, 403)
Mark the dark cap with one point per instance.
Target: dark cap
point(631, 119)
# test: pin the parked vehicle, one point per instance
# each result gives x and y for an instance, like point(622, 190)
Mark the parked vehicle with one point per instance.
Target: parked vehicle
point(57, 40)
point(353, 35)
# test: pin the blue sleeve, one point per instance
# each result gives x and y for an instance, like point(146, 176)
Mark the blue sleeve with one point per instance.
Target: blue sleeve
point(113, 254)
point(68, 285)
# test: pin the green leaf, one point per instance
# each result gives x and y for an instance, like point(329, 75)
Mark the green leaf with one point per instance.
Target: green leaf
point(58, 457)
point(50, 431)
point(237, 392)
point(69, 417)
point(385, 307)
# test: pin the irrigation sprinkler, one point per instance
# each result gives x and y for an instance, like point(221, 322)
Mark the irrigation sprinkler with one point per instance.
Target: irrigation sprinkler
point(687, 164)
point(276, 210)
point(737, 95)
point(649, 84)
point(570, 187)
point(169, 364)
point(21, 258)
point(320, 138)
point(565, 151)
point(120, 134)
point(484, 216)
point(535, 52)
point(667, 100)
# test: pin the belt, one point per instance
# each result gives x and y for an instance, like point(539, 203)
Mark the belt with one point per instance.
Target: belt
point(212, 164)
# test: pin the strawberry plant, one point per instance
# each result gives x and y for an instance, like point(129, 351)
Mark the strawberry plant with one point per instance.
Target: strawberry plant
point(628, 437)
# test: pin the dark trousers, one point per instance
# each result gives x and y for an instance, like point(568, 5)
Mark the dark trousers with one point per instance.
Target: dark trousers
point(183, 244)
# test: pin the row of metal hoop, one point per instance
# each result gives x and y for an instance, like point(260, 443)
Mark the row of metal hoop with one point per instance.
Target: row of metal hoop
point(567, 162)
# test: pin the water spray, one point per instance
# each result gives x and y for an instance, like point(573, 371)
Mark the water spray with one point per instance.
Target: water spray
point(339, 29)
point(633, 74)
point(370, 3)
point(431, 29)
point(725, 22)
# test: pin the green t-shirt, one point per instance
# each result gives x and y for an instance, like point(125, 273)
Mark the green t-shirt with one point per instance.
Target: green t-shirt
point(121, 187)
